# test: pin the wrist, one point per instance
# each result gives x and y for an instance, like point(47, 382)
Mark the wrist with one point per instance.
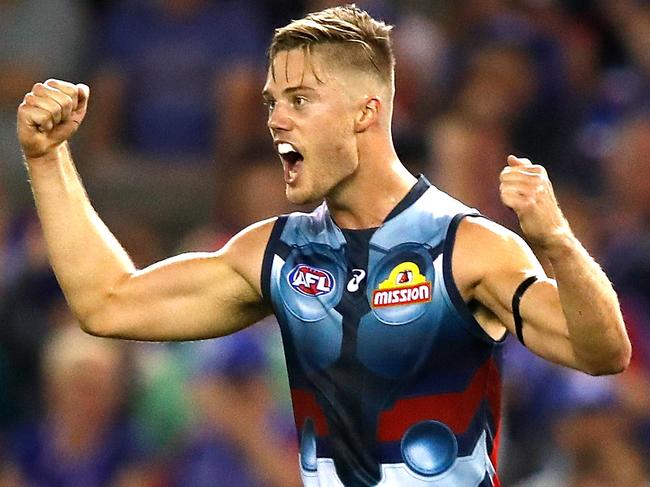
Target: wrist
point(51, 156)
point(559, 244)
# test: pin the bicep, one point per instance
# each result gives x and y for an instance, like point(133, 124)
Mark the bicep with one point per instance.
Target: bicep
point(505, 261)
point(544, 327)
point(190, 296)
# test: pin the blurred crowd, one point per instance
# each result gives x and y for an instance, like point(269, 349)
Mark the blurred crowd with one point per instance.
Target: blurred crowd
point(176, 157)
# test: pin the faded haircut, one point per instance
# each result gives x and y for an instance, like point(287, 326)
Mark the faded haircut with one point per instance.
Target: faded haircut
point(349, 37)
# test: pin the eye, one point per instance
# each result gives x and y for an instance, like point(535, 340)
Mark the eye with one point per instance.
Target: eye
point(299, 101)
point(269, 104)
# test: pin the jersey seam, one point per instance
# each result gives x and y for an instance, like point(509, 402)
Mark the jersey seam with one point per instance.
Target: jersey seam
point(269, 253)
point(467, 317)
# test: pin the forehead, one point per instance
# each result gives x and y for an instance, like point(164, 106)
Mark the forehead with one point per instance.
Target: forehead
point(298, 67)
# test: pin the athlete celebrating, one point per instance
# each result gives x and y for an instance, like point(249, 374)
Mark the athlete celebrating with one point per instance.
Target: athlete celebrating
point(393, 298)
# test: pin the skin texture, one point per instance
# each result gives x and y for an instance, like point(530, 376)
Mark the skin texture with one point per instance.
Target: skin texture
point(339, 120)
point(298, 104)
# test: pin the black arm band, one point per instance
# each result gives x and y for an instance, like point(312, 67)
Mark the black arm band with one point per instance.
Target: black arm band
point(516, 298)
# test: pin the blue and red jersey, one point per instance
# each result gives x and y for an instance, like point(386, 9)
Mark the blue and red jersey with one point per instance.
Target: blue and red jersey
point(393, 381)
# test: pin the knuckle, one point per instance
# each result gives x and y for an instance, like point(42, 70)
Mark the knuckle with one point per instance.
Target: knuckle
point(56, 84)
point(67, 102)
point(56, 112)
point(539, 171)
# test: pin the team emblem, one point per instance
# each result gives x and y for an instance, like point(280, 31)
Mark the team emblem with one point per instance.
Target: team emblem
point(405, 285)
point(311, 281)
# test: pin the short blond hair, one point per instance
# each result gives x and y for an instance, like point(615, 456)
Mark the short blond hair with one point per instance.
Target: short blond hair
point(349, 35)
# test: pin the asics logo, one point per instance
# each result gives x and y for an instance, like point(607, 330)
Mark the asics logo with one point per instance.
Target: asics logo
point(357, 276)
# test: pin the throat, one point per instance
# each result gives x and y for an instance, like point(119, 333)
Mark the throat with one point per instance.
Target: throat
point(355, 211)
point(350, 220)
point(358, 208)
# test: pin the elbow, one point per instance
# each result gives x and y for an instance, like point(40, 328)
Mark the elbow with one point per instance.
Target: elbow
point(616, 363)
point(607, 369)
point(623, 359)
point(101, 319)
point(103, 323)
point(94, 323)
point(93, 327)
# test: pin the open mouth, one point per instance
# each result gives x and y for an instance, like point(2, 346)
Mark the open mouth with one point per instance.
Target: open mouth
point(291, 159)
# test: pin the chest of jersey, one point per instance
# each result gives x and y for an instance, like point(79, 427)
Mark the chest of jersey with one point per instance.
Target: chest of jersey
point(378, 342)
point(385, 302)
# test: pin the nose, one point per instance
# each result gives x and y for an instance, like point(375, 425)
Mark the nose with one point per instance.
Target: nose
point(279, 119)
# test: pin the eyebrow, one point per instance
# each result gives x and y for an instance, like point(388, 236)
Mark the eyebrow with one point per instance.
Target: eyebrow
point(266, 94)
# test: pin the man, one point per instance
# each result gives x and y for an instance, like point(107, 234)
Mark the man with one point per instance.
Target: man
point(393, 298)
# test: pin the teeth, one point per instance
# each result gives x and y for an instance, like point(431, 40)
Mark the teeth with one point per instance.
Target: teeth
point(285, 148)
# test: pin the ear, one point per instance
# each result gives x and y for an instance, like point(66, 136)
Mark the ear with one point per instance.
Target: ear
point(368, 113)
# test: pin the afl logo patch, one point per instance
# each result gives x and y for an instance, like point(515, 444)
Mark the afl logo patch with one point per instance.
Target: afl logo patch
point(405, 285)
point(311, 281)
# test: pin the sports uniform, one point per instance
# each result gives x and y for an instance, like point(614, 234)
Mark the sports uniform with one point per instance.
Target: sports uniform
point(393, 382)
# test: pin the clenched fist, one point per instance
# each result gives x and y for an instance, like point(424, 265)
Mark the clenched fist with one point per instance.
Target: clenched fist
point(526, 188)
point(49, 115)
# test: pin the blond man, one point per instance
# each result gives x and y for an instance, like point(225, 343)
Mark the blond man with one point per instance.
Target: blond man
point(393, 298)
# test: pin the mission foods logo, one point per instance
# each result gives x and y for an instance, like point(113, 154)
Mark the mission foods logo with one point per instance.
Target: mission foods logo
point(405, 285)
point(311, 281)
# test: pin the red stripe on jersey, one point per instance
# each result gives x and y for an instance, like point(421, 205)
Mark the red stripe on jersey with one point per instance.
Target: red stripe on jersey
point(494, 400)
point(455, 409)
point(305, 406)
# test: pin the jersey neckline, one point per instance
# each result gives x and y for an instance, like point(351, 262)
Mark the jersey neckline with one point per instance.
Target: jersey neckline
point(414, 194)
point(416, 191)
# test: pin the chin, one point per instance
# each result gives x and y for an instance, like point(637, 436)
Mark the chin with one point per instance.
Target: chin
point(302, 196)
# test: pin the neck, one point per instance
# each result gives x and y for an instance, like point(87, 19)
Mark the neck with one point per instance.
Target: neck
point(365, 199)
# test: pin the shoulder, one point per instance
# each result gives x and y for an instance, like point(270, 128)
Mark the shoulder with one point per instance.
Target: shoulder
point(481, 230)
point(487, 239)
point(251, 240)
point(439, 202)
point(484, 249)
point(244, 252)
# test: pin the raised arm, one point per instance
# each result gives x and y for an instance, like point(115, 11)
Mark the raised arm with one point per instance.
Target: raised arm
point(573, 319)
point(191, 296)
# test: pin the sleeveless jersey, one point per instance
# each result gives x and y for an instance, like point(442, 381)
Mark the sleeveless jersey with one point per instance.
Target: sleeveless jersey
point(393, 382)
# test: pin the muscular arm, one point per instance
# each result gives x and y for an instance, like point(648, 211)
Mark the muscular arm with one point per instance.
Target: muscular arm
point(191, 296)
point(574, 319)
